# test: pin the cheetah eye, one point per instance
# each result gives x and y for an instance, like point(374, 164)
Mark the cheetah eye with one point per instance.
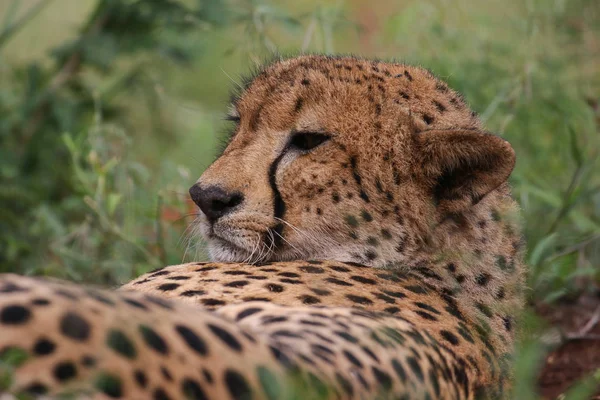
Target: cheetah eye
point(308, 140)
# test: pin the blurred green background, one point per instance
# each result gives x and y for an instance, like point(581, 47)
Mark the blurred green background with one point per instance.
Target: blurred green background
point(111, 109)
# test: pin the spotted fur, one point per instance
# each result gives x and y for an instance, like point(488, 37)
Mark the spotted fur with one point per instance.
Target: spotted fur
point(365, 245)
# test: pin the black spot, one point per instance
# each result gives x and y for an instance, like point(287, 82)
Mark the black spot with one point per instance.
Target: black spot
point(74, 327)
point(212, 302)
point(237, 284)
point(383, 378)
point(441, 87)
point(439, 106)
point(449, 337)
point(272, 319)
point(485, 309)
point(192, 340)
point(372, 241)
point(237, 385)
point(159, 302)
point(153, 339)
point(501, 262)
point(140, 378)
point(66, 294)
point(391, 310)
point(160, 394)
point(273, 287)
point(339, 268)
point(320, 292)
point(299, 104)
point(425, 315)
point(351, 220)
point(191, 293)
point(370, 353)
point(345, 384)
point(311, 269)
point(416, 289)
point(43, 347)
point(386, 234)
point(399, 369)
point(120, 343)
point(110, 385)
point(135, 304)
point(352, 358)
point(362, 279)
point(255, 298)
point(207, 375)
point(359, 299)
point(428, 119)
point(501, 293)
point(165, 287)
point(247, 312)
point(203, 269)
point(338, 282)
point(282, 358)
point(408, 75)
point(415, 368)
point(165, 372)
point(482, 279)
point(305, 82)
point(64, 371)
point(398, 295)
point(363, 195)
point(179, 278)
point(346, 336)
point(192, 390)
point(451, 267)
point(289, 274)
point(88, 361)
point(36, 388)
point(307, 299)
point(40, 302)
point(371, 255)
point(15, 314)
point(507, 323)
point(426, 307)
point(226, 337)
point(235, 272)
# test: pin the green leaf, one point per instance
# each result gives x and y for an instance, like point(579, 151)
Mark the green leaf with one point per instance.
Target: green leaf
point(541, 248)
point(112, 201)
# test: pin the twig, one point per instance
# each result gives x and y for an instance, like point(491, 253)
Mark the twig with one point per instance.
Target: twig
point(584, 332)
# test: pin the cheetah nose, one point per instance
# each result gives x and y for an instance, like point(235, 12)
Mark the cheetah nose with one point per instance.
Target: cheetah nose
point(214, 201)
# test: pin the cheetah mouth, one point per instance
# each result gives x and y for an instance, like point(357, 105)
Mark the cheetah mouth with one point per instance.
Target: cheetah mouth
point(248, 241)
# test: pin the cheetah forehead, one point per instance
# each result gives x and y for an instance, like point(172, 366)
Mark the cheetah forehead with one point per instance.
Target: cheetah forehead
point(390, 88)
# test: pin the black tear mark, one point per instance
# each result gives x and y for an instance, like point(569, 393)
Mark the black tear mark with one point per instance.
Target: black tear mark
point(278, 203)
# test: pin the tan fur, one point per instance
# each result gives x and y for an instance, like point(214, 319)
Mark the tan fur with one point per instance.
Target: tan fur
point(408, 239)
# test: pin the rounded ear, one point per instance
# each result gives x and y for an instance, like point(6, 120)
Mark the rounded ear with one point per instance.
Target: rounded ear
point(461, 166)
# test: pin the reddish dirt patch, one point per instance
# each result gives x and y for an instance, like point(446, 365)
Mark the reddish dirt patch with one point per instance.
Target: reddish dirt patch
point(575, 358)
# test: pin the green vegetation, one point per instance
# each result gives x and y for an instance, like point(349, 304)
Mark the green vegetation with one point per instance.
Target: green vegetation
point(110, 109)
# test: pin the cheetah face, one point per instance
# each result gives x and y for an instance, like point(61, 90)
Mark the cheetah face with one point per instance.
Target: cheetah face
point(344, 159)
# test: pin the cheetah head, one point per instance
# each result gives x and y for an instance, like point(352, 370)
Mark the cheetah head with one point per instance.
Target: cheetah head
point(345, 159)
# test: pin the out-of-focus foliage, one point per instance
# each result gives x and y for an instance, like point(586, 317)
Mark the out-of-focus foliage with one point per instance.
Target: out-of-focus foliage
point(110, 109)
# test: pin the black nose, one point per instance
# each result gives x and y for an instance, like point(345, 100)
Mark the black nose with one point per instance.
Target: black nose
point(214, 201)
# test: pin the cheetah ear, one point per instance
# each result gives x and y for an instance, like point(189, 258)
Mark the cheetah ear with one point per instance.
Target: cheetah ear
point(461, 166)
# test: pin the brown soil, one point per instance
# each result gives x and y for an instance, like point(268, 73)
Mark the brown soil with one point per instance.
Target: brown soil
point(574, 358)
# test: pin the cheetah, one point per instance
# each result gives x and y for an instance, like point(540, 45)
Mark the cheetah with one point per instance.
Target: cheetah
point(364, 245)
